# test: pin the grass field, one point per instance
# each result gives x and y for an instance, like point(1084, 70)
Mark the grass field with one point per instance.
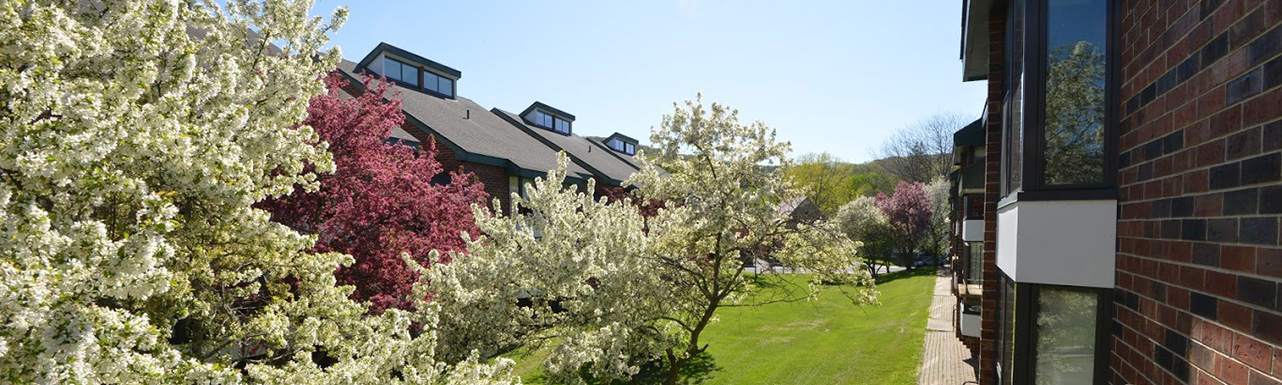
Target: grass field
point(828, 341)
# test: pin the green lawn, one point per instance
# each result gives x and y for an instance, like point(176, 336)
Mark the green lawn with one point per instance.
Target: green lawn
point(828, 341)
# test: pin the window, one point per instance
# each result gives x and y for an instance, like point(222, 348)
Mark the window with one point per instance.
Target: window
point(545, 120)
point(562, 126)
point(409, 74)
point(1065, 325)
point(1056, 134)
point(396, 70)
point(974, 206)
point(1013, 125)
point(624, 147)
point(1052, 334)
point(438, 84)
point(1073, 124)
point(445, 86)
point(1006, 343)
point(975, 262)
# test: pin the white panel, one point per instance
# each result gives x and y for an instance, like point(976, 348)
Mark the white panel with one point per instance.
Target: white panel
point(1007, 223)
point(1058, 242)
point(973, 230)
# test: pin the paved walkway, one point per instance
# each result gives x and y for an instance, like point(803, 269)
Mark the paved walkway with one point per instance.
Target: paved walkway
point(945, 361)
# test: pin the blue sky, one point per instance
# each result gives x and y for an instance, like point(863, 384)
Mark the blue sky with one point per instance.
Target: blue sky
point(836, 76)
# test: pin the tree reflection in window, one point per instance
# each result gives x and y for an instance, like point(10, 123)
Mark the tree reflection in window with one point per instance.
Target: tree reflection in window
point(1074, 128)
point(1066, 323)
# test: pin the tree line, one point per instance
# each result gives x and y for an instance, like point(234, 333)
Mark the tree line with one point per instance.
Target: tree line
point(897, 205)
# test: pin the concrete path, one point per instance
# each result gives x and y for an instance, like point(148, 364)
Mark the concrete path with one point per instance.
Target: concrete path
point(945, 361)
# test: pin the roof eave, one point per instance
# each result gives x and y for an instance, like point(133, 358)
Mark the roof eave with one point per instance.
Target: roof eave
point(975, 36)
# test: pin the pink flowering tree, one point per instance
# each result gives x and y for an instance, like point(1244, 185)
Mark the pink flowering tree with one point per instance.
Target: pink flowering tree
point(381, 201)
point(908, 212)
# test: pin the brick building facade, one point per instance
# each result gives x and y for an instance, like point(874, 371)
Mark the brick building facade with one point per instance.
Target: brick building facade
point(1134, 161)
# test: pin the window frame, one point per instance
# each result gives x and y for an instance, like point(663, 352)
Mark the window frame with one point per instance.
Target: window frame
point(421, 78)
point(1033, 147)
point(553, 118)
point(1027, 297)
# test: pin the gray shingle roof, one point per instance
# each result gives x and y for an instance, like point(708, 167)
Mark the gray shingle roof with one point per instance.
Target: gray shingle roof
point(483, 136)
point(591, 153)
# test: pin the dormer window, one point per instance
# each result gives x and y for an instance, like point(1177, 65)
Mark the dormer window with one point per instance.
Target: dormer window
point(397, 70)
point(624, 147)
point(619, 142)
point(545, 120)
point(544, 116)
point(416, 77)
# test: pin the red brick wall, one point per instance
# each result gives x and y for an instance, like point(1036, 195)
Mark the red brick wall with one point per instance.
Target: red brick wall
point(1198, 258)
point(992, 193)
point(494, 178)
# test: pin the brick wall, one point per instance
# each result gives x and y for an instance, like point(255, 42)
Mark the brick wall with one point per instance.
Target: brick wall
point(992, 193)
point(1200, 146)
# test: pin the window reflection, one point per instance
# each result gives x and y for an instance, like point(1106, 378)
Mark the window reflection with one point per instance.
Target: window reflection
point(1065, 329)
point(1006, 366)
point(1075, 88)
point(445, 86)
point(1014, 129)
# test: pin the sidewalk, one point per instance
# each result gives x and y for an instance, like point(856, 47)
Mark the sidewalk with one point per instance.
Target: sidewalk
point(944, 361)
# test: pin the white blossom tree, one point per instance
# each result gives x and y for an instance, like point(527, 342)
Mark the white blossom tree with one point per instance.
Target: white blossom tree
point(613, 290)
point(940, 210)
point(135, 138)
point(571, 271)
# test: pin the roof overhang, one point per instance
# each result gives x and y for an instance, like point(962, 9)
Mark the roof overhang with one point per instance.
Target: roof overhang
point(970, 136)
point(974, 45)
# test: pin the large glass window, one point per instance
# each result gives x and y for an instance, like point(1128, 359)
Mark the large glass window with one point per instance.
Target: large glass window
point(438, 84)
point(1055, 126)
point(975, 262)
point(409, 74)
point(1073, 125)
point(1013, 131)
point(1006, 366)
point(445, 86)
point(545, 120)
point(394, 69)
point(561, 126)
point(1065, 325)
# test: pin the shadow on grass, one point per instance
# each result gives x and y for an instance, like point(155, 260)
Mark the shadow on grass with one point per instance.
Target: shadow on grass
point(699, 370)
point(917, 272)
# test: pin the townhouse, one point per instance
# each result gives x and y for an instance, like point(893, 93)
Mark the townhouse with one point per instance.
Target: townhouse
point(1117, 206)
point(505, 151)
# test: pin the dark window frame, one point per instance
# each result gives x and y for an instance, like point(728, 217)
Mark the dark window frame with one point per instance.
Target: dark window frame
point(1032, 174)
point(421, 86)
point(569, 125)
point(625, 147)
point(1025, 345)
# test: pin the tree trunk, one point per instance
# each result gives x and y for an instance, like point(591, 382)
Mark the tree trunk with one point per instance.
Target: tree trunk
point(693, 349)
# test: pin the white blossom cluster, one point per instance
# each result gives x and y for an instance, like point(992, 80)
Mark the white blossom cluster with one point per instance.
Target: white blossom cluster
point(608, 291)
point(570, 269)
point(135, 138)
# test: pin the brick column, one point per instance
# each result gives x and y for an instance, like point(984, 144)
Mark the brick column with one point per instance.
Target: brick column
point(992, 193)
